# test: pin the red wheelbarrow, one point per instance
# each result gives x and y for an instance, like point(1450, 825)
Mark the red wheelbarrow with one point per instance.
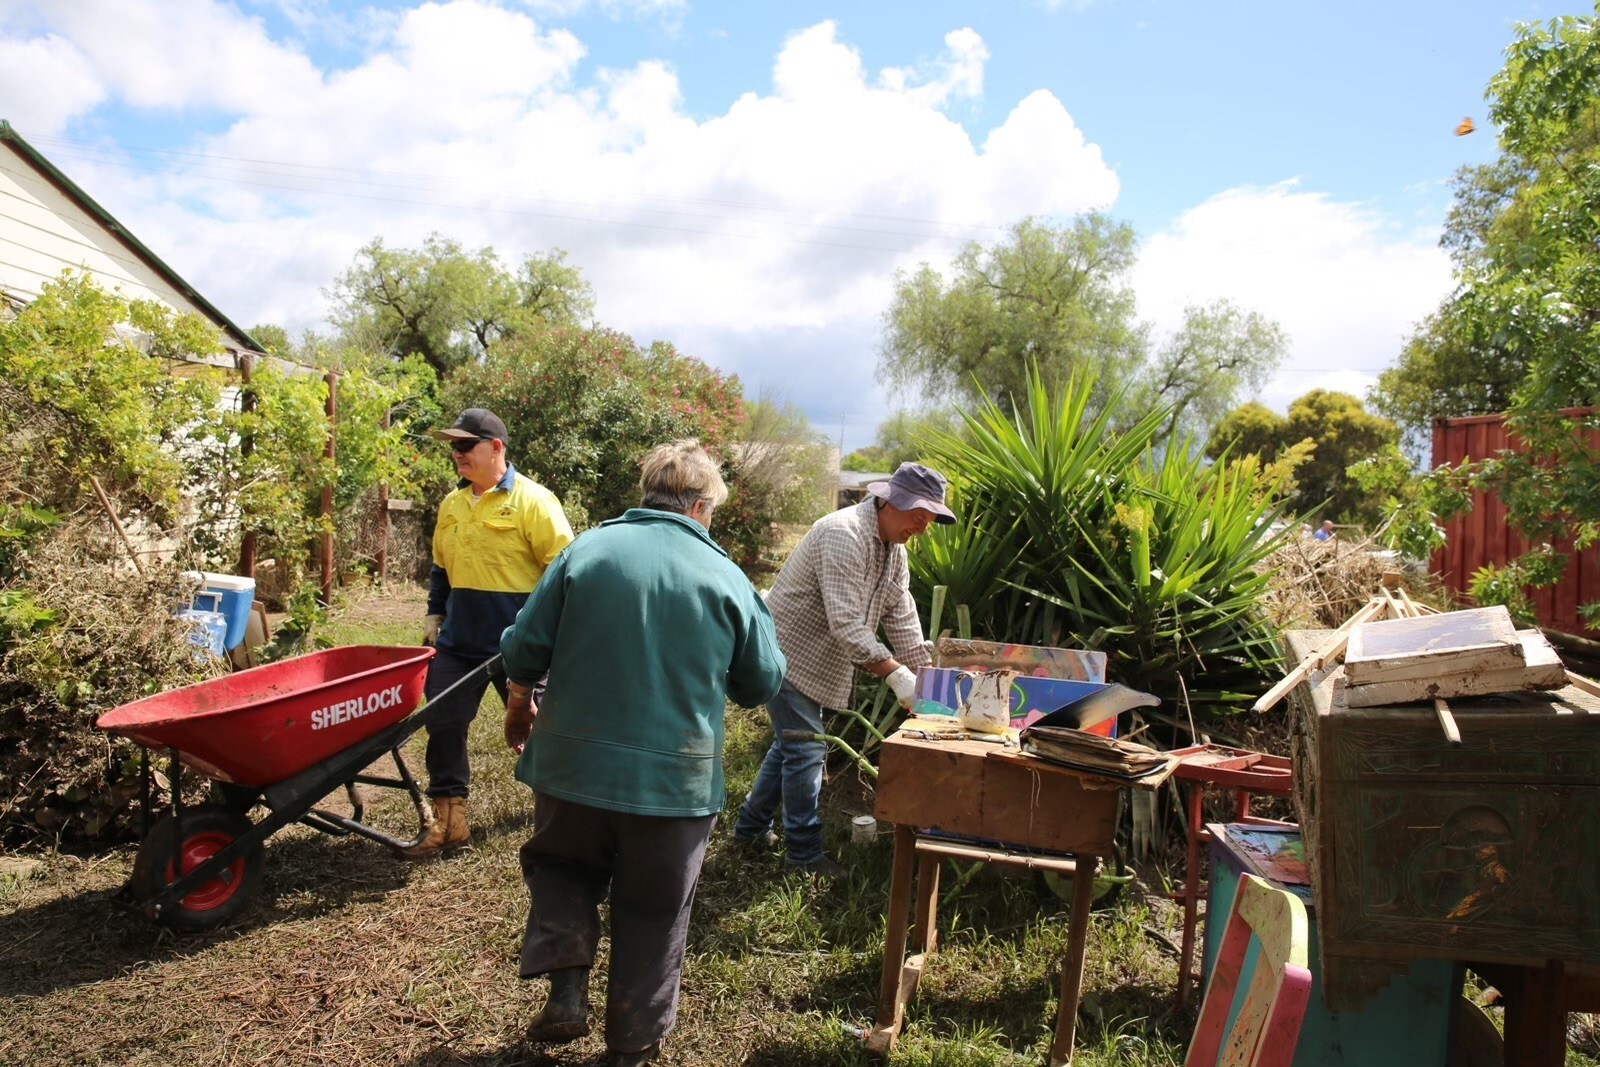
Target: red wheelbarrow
point(283, 736)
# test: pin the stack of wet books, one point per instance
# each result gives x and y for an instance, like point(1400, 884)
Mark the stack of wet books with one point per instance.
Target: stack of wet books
point(1107, 757)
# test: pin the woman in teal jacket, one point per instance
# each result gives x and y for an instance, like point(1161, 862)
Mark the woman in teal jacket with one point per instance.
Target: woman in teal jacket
point(646, 629)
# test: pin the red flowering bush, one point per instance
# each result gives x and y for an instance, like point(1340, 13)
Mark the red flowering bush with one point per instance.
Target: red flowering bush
point(742, 526)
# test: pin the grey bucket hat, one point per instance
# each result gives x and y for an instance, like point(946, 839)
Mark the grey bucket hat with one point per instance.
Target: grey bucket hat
point(915, 486)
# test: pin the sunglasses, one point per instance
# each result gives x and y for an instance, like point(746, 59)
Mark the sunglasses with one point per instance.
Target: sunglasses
point(466, 446)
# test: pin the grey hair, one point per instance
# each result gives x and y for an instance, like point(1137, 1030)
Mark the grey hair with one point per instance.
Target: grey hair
point(677, 476)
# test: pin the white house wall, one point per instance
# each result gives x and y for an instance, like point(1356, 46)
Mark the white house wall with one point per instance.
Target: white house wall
point(43, 232)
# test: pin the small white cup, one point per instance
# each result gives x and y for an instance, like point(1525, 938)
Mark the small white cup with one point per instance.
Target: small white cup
point(863, 830)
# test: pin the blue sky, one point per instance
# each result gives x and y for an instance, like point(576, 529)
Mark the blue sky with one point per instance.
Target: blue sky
point(744, 179)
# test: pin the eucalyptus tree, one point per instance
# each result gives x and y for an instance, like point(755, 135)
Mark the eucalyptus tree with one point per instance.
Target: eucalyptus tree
point(449, 305)
point(1220, 352)
point(1057, 298)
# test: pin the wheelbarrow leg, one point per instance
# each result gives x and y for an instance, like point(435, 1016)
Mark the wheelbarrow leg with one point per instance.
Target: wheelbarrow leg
point(333, 823)
point(358, 807)
point(175, 778)
point(415, 793)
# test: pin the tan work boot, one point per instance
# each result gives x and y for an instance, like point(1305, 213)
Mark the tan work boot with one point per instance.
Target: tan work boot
point(447, 828)
point(457, 833)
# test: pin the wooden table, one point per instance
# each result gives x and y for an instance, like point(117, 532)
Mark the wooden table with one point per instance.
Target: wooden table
point(1486, 852)
point(1012, 806)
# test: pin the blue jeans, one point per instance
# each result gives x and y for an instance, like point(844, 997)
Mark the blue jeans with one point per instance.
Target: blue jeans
point(791, 772)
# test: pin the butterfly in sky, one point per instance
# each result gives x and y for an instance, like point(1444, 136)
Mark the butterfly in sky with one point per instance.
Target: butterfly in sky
point(1464, 127)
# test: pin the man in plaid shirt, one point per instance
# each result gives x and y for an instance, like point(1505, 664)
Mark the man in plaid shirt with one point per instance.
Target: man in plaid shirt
point(846, 578)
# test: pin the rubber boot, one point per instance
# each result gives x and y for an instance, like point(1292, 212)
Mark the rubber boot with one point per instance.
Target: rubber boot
point(634, 1059)
point(448, 827)
point(565, 1016)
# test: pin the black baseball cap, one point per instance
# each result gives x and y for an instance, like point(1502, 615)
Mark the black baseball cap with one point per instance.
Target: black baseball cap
point(480, 423)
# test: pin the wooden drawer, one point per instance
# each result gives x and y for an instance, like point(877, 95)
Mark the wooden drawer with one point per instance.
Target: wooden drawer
point(975, 790)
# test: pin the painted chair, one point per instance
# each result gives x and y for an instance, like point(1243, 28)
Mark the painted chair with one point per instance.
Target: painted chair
point(1264, 1032)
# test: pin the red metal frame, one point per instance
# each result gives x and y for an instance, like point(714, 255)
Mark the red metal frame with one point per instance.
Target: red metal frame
point(1244, 772)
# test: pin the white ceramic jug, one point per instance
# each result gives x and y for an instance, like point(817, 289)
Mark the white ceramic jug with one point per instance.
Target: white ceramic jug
point(987, 707)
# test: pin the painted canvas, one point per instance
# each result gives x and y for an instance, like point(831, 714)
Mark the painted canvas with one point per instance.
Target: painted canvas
point(940, 690)
point(1036, 661)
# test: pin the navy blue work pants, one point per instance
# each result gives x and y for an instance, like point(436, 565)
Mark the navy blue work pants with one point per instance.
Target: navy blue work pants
point(446, 759)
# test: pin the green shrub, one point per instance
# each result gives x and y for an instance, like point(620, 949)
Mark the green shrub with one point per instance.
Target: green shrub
point(84, 399)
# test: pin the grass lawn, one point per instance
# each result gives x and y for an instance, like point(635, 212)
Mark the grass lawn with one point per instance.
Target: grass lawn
point(350, 956)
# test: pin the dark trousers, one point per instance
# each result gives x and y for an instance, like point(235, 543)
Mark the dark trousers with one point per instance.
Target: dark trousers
point(650, 865)
point(446, 759)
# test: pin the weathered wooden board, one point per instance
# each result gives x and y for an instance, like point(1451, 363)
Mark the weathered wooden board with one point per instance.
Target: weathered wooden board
point(1452, 642)
point(1541, 669)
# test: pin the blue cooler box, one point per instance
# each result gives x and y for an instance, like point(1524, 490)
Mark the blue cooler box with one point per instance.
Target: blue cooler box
point(228, 595)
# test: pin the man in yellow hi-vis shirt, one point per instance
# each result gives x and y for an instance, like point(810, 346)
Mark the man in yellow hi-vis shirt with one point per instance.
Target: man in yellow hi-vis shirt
point(495, 536)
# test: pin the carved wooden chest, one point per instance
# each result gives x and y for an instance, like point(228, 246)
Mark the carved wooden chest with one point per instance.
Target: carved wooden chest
point(1487, 851)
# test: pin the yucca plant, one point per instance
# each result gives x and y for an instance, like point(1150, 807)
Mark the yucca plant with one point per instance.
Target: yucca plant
point(1016, 482)
point(1170, 587)
point(1074, 533)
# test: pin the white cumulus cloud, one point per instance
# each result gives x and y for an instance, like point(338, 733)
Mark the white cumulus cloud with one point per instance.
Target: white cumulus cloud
point(177, 54)
point(763, 239)
point(1344, 284)
point(45, 82)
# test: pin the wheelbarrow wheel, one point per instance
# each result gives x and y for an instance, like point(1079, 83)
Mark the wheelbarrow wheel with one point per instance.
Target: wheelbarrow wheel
point(207, 830)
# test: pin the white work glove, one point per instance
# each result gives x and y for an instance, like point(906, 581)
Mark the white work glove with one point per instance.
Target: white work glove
point(430, 629)
point(904, 684)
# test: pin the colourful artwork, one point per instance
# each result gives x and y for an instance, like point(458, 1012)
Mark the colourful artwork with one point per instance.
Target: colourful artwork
point(1036, 661)
point(940, 690)
point(1274, 852)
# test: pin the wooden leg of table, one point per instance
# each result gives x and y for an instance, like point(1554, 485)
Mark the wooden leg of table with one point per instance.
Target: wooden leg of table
point(891, 1007)
point(922, 931)
point(1072, 960)
point(1191, 894)
point(1536, 1019)
point(924, 937)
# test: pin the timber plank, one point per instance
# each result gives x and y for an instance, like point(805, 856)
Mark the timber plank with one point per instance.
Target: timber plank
point(1451, 642)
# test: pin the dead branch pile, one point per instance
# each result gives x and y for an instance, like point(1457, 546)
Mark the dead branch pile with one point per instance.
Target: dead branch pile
point(1320, 584)
point(95, 636)
point(80, 633)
